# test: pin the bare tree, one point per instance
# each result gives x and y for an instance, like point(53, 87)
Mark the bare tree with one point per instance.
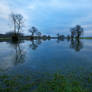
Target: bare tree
point(20, 22)
point(33, 30)
point(17, 20)
point(13, 19)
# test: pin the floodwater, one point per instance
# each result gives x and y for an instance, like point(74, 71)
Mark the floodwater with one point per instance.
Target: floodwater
point(48, 56)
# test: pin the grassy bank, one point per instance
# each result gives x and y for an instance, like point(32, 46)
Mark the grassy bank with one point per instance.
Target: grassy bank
point(58, 83)
point(29, 38)
point(86, 37)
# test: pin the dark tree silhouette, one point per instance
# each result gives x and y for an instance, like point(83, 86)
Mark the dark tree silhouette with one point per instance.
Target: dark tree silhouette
point(20, 22)
point(58, 35)
point(49, 37)
point(44, 37)
point(10, 34)
point(79, 31)
point(13, 19)
point(17, 20)
point(76, 32)
point(72, 33)
point(33, 30)
point(62, 37)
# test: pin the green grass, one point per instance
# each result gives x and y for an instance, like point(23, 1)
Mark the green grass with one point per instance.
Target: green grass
point(58, 83)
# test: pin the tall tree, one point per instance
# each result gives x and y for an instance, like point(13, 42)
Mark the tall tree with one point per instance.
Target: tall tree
point(20, 22)
point(76, 32)
point(13, 19)
point(17, 20)
point(79, 31)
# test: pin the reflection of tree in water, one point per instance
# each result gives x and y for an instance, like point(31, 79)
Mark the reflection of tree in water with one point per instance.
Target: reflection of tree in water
point(38, 41)
point(35, 43)
point(76, 44)
point(59, 40)
point(19, 53)
point(14, 57)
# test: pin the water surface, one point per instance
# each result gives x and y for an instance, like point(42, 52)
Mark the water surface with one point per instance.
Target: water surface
point(46, 57)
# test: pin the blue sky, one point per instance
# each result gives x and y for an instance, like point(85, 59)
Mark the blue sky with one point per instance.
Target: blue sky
point(49, 16)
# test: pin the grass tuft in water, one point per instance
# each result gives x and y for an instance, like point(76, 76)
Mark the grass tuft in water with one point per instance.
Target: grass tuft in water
point(58, 83)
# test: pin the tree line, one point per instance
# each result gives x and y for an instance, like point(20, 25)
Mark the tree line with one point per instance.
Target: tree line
point(17, 21)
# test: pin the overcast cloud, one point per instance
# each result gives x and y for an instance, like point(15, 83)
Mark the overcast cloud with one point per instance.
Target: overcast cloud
point(49, 16)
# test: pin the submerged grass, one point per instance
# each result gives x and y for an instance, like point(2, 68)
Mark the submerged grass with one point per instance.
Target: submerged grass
point(59, 83)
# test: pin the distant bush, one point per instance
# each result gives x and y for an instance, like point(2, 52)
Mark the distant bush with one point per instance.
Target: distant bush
point(44, 37)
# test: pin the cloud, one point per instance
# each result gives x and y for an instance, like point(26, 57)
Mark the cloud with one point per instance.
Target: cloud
point(4, 10)
point(48, 15)
point(58, 4)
